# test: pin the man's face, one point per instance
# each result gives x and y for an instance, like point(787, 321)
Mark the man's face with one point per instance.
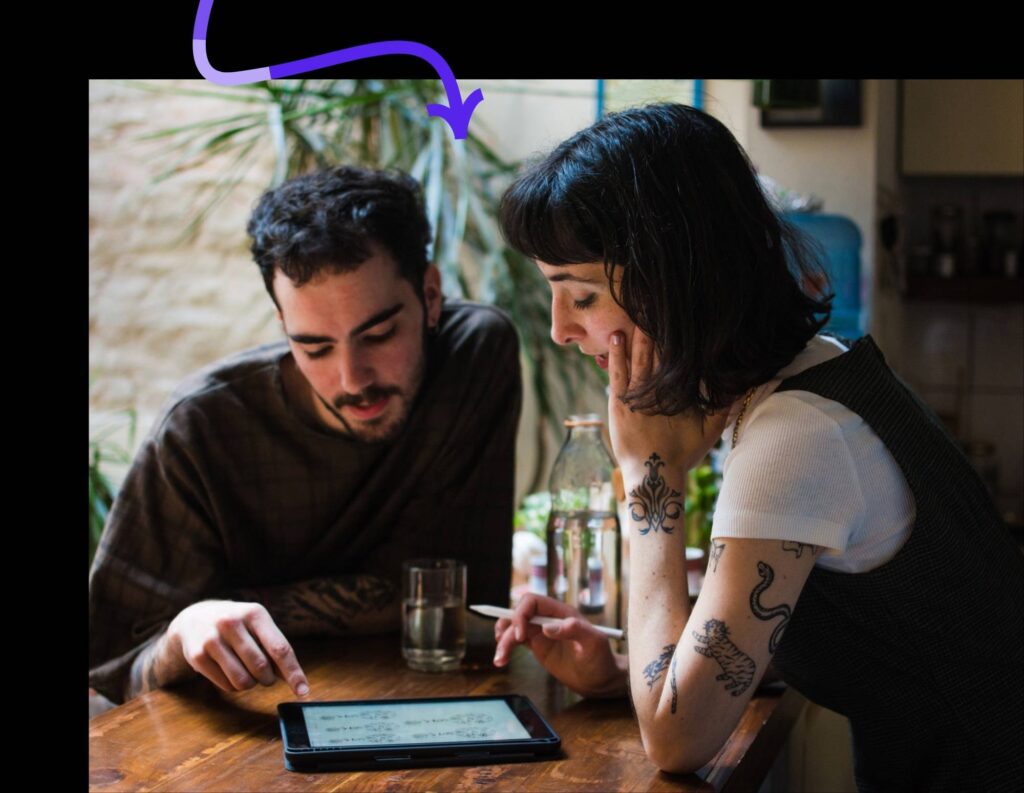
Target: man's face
point(358, 338)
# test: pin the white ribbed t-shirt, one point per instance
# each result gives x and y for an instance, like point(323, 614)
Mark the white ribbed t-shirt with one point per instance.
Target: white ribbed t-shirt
point(809, 470)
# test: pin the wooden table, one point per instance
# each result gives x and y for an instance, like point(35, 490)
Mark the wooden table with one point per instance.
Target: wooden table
point(195, 737)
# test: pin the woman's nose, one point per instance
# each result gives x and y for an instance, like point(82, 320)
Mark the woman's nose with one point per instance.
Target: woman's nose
point(563, 329)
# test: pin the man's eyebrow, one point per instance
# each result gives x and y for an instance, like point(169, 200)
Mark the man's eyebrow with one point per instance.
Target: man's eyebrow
point(376, 319)
point(305, 338)
point(571, 277)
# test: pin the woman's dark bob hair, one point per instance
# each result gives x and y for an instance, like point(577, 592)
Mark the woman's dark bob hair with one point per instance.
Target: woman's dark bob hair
point(709, 271)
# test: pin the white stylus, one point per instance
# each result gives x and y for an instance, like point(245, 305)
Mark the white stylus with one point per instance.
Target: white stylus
point(497, 611)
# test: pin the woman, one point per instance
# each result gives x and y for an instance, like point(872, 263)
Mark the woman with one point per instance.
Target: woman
point(852, 546)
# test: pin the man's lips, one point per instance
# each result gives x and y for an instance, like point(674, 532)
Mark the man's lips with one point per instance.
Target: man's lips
point(369, 410)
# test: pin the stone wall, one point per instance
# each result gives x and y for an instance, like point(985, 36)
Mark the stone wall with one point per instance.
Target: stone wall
point(161, 307)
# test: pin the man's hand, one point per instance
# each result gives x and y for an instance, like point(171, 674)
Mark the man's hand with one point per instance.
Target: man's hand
point(235, 645)
point(573, 651)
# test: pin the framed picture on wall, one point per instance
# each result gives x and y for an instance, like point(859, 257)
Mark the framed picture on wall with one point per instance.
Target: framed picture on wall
point(808, 103)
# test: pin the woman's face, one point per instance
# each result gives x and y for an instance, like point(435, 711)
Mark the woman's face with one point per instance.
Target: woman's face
point(582, 309)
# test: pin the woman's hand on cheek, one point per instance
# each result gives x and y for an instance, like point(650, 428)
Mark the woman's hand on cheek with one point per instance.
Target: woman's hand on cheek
point(637, 436)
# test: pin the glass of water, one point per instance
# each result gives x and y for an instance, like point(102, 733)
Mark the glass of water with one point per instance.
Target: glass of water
point(433, 614)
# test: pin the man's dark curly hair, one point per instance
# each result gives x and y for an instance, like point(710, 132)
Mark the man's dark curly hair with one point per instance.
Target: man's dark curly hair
point(331, 219)
point(728, 291)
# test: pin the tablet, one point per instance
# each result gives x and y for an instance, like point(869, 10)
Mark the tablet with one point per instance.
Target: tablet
point(408, 733)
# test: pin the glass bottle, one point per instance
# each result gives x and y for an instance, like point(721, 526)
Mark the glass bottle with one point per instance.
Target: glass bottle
point(584, 541)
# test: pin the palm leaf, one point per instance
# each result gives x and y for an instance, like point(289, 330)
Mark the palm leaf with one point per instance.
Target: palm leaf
point(383, 123)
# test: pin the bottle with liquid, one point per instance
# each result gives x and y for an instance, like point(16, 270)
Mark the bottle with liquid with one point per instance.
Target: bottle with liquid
point(584, 541)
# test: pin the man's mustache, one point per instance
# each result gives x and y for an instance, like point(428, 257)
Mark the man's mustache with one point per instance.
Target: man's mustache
point(366, 397)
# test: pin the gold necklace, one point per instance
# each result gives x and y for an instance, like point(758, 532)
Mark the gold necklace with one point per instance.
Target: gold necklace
point(739, 418)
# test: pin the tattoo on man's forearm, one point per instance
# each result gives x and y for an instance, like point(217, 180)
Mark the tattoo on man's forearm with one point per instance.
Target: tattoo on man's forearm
point(151, 681)
point(326, 606)
point(782, 610)
point(672, 680)
point(135, 677)
point(717, 548)
point(654, 669)
point(799, 547)
point(738, 668)
point(142, 675)
point(655, 500)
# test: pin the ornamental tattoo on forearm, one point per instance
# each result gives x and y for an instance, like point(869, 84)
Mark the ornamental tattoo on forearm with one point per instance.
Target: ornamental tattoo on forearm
point(782, 610)
point(738, 668)
point(655, 499)
point(654, 669)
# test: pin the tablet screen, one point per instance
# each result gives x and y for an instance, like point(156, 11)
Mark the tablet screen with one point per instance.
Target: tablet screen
point(412, 723)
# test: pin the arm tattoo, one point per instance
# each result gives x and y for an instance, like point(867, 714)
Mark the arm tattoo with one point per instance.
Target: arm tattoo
point(799, 547)
point(672, 680)
point(738, 668)
point(142, 676)
point(716, 553)
point(654, 498)
point(325, 606)
point(654, 669)
point(782, 610)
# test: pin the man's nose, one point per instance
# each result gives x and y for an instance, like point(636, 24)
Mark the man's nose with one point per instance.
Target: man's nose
point(355, 373)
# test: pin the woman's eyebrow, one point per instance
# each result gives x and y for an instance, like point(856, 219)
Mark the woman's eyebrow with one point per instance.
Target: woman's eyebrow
point(571, 277)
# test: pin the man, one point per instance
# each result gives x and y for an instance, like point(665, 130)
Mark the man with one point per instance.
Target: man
point(280, 489)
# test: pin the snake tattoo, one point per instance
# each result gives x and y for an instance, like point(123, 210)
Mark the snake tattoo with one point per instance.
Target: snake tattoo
point(762, 613)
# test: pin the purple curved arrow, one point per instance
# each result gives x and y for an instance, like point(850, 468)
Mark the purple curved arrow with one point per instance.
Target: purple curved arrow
point(457, 113)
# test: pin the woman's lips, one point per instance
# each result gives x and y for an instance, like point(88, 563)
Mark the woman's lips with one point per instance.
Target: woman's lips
point(602, 361)
point(370, 411)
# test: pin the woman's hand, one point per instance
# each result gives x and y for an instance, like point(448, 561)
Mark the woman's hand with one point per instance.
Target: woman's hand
point(574, 651)
point(680, 442)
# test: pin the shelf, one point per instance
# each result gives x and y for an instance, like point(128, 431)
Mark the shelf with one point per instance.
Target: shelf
point(964, 289)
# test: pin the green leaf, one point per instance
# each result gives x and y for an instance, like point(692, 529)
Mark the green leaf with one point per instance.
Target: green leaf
point(384, 123)
point(101, 490)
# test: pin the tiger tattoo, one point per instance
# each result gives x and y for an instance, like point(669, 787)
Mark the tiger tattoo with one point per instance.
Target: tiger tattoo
point(737, 667)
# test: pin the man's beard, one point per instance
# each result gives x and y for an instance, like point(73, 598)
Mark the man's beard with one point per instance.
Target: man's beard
point(367, 396)
point(373, 430)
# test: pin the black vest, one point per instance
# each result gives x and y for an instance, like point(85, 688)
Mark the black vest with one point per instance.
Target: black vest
point(925, 654)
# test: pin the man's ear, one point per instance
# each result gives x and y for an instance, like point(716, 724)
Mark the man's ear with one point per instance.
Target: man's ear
point(432, 295)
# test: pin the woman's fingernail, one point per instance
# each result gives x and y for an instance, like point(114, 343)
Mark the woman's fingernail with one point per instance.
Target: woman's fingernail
point(616, 339)
point(302, 690)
